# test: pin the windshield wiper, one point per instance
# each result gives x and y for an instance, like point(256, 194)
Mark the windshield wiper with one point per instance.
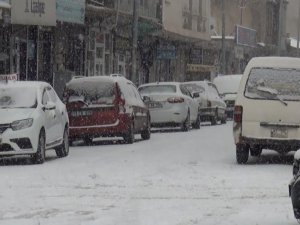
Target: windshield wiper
point(273, 93)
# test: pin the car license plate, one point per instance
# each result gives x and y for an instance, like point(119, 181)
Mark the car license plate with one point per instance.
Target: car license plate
point(81, 113)
point(279, 132)
point(154, 105)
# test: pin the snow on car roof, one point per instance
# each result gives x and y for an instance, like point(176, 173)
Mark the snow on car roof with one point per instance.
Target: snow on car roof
point(33, 84)
point(100, 78)
point(283, 62)
point(160, 83)
point(228, 83)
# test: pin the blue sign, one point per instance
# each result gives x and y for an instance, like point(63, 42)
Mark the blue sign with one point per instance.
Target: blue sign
point(166, 52)
point(72, 11)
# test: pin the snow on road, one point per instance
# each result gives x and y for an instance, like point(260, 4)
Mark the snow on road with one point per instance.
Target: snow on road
point(175, 178)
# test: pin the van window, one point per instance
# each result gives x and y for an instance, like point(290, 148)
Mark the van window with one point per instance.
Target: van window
point(273, 83)
point(91, 92)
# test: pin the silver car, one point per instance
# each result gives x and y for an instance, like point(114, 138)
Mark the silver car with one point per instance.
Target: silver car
point(212, 107)
point(171, 104)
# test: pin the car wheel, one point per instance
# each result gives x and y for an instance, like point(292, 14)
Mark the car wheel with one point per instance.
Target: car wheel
point(242, 153)
point(197, 124)
point(255, 151)
point(129, 136)
point(214, 118)
point(88, 141)
point(63, 150)
point(71, 142)
point(186, 124)
point(40, 155)
point(147, 132)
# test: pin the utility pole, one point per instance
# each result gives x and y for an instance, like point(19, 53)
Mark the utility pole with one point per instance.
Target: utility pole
point(223, 38)
point(135, 17)
point(279, 44)
point(298, 29)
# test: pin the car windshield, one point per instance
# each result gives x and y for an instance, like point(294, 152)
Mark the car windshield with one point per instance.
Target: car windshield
point(194, 88)
point(158, 89)
point(91, 92)
point(274, 83)
point(17, 97)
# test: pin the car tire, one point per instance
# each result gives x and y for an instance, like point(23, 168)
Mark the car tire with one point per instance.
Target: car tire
point(40, 155)
point(242, 153)
point(88, 141)
point(224, 119)
point(146, 134)
point(71, 142)
point(214, 118)
point(186, 124)
point(197, 124)
point(129, 136)
point(63, 149)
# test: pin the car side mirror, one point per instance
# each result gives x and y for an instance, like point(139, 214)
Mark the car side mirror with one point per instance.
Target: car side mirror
point(49, 106)
point(196, 95)
point(146, 99)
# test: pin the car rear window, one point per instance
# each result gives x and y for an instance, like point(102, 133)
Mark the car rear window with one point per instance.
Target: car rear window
point(273, 83)
point(91, 92)
point(158, 89)
point(17, 97)
point(194, 88)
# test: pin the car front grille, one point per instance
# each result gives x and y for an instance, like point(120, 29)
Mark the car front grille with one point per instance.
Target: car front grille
point(3, 127)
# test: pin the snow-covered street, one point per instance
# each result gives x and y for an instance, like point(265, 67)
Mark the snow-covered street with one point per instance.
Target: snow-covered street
point(175, 178)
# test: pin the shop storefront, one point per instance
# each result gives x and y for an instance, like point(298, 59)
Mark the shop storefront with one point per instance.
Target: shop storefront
point(5, 34)
point(32, 38)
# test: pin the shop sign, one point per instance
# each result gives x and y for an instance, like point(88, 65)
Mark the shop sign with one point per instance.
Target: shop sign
point(245, 36)
point(199, 68)
point(166, 52)
point(196, 56)
point(33, 12)
point(72, 11)
point(8, 77)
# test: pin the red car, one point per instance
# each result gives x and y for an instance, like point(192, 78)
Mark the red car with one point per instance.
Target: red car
point(105, 106)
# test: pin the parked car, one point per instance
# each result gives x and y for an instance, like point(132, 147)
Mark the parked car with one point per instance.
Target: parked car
point(171, 104)
point(212, 107)
point(266, 114)
point(104, 106)
point(294, 186)
point(228, 86)
point(32, 120)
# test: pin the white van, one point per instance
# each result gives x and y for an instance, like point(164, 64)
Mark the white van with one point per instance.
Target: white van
point(228, 86)
point(267, 108)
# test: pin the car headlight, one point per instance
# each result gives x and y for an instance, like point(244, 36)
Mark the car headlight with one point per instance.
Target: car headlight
point(21, 124)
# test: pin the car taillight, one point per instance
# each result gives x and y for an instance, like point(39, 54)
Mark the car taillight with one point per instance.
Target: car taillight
point(238, 114)
point(208, 103)
point(121, 105)
point(175, 100)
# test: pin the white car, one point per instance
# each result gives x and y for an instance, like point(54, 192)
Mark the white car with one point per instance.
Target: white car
point(171, 104)
point(266, 114)
point(212, 107)
point(228, 86)
point(32, 120)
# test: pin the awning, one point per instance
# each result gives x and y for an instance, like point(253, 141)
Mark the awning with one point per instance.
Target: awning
point(4, 5)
